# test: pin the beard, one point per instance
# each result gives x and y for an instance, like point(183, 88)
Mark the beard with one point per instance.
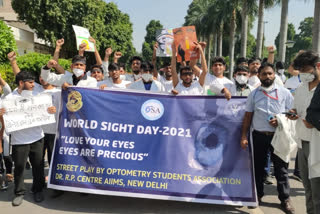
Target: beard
point(136, 72)
point(267, 82)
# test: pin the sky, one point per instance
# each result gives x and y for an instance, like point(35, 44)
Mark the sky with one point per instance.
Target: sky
point(171, 14)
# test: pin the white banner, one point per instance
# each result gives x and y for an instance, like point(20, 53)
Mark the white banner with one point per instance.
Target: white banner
point(82, 36)
point(27, 112)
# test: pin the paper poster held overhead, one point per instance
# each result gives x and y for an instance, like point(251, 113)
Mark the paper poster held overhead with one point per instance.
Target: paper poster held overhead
point(184, 39)
point(82, 36)
point(164, 38)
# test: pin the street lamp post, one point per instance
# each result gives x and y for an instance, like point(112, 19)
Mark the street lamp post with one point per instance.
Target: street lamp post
point(264, 38)
point(289, 45)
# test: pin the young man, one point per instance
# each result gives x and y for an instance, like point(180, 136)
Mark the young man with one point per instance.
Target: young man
point(308, 63)
point(262, 105)
point(135, 63)
point(27, 143)
point(96, 72)
point(78, 78)
point(241, 86)
point(188, 86)
point(146, 83)
point(216, 83)
point(115, 81)
point(254, 65)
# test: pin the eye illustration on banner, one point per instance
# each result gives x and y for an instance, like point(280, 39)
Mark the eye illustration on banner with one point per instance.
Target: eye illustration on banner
point(152, 109)
point(74, 101)
point(209, 145)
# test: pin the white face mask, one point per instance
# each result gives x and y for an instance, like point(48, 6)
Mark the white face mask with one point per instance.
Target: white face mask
point(147, 77)
point(78, 72)
point(306, 77)
point(122, 77)
point(268, 89)
point(242, 79)
point(136, 76)
point(281, 71)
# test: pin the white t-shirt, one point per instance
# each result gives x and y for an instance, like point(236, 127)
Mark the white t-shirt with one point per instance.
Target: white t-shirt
point(110, 84)
point(166, 83)
point(194, 89)
point(25, 136)
point(215, 85)
point(292, 83)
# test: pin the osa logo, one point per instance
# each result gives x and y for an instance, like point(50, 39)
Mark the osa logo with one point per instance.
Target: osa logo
point(152, 109)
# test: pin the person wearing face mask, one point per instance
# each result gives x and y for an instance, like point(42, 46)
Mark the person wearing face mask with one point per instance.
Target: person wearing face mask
point(254, 65)
point(77, 78)
point(262, 105)
point(308, 63)
point(241, 86)
point(115, 81)
point(280, 71)
point(27, 143)
point(147, 83)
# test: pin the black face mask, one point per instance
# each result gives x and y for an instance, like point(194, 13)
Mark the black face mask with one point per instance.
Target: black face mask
point(267, 82)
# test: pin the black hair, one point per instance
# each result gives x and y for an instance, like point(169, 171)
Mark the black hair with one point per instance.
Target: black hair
point(279, 65)
point(241, 68)
point(121, 65)
point(251, 60)
point(113, 67)
point(147, 66)
point(166, 64)
point(218, 59)
point(264, 65)
point(135, 58)
point(77, 58)
point(24, 76)
point(185, 68)
point(97, 66)
point(306, 58)
point(241, 60)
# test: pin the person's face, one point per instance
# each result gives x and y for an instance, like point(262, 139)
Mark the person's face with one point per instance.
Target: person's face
point(122, 71)
point(242, 73)
point(97, 74)
point(135, 66)
point(254, 66)
point(42, 82)
point(267, 75)
point(78, 65)
point(218, 68)
point(115, 75)
point(27, 85)
point(186, 76)
point(167, 70)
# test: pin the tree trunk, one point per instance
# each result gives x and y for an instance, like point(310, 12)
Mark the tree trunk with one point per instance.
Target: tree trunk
point(260, 29)
point(209, 50)
point(316, 28)
point(283, 31)
point(232, 42)
point(244, 29)
point(215, 38)
point(220, 38)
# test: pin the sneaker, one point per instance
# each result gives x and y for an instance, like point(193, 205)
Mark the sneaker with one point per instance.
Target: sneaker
point(287, 206)
point(17, 200)
point(297, 177)
point(38, 197)
point(268, 180)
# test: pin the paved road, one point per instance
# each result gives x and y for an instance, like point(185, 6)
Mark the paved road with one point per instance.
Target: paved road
point(77, 203)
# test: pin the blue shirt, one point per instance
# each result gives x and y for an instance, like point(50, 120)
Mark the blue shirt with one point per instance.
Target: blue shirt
point(147, 86)
point(265, 104)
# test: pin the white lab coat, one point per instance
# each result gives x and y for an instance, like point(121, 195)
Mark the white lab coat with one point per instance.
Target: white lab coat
point(156, 86)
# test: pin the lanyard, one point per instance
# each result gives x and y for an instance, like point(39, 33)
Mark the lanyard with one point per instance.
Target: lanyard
point(274, 98)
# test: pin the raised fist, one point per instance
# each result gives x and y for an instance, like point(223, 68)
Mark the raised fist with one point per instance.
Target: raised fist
point(117, 54)
point(108, 51)
point(52, 63)
point(12, 56)
point(59, 42)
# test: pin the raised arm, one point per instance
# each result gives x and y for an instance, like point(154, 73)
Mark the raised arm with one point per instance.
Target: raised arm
point(116, 56)
point(52, 78)
point(58, 67)
point(203, 64)
point(96, 51)
point(82, 48)
point(271, 54)
point(154, 60)
point(175, 79)
point(105, 62)
point(5, 87)
point(13, 61)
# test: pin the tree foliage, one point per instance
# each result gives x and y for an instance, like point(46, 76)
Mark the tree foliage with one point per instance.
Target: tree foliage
point(7, 41)
point(150, 39)
point(53, 19)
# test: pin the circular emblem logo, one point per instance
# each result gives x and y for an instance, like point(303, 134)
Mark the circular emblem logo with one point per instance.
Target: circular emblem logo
point(74, 101)
point(152, 109)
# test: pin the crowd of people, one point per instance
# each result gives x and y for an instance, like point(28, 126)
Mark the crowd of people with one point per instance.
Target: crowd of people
point(273, 99)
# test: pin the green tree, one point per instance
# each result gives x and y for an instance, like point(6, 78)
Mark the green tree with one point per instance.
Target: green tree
point(150, 39)
point(7, 41)
point(304, 38)
point(53, 19)
point(291, 33)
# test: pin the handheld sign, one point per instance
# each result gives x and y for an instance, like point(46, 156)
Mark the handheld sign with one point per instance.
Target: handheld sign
point(82, 36)
point(164, 38)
